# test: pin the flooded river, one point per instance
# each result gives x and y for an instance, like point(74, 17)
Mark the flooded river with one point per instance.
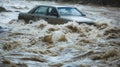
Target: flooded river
point(41, 44)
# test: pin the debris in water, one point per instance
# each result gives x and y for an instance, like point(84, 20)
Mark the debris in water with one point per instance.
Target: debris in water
point(11, 45)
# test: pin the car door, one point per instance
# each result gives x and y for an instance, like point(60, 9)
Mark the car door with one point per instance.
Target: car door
point(53, 16)
point(39, 13)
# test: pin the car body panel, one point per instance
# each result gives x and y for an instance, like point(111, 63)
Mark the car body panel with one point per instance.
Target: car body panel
point(78, 18)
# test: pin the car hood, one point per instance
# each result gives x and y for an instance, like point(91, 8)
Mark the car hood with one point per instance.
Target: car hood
point(78, 19)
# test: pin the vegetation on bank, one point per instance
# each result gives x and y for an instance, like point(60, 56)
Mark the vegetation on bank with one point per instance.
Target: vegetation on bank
point(96, 2)
point(99, 2)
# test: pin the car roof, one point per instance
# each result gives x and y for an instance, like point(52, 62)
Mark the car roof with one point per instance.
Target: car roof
point(56, 6)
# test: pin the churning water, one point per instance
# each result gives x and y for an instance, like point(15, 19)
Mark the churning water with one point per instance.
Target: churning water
point(68, 45)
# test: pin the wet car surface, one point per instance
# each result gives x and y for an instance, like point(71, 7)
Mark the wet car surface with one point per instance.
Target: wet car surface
point(56, 15)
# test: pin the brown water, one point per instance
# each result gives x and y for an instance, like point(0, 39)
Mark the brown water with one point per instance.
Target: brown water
point(69, 45)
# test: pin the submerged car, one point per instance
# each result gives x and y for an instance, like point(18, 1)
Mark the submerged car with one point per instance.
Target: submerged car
point(55, 15)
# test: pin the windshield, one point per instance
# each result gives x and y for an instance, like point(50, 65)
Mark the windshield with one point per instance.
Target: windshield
point(68, 11)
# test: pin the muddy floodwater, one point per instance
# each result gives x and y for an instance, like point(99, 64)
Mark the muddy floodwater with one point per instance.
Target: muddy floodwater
point(41, 44)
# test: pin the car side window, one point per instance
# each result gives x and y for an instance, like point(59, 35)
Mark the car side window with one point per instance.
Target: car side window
point(52, 11)
point(41, 10)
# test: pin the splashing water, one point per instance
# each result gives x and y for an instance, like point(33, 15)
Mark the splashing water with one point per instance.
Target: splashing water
point(64, 45)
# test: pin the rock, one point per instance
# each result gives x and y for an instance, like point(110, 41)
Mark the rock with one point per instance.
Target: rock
point(2, 9)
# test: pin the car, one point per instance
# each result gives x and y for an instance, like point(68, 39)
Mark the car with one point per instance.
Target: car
point(55, 14)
